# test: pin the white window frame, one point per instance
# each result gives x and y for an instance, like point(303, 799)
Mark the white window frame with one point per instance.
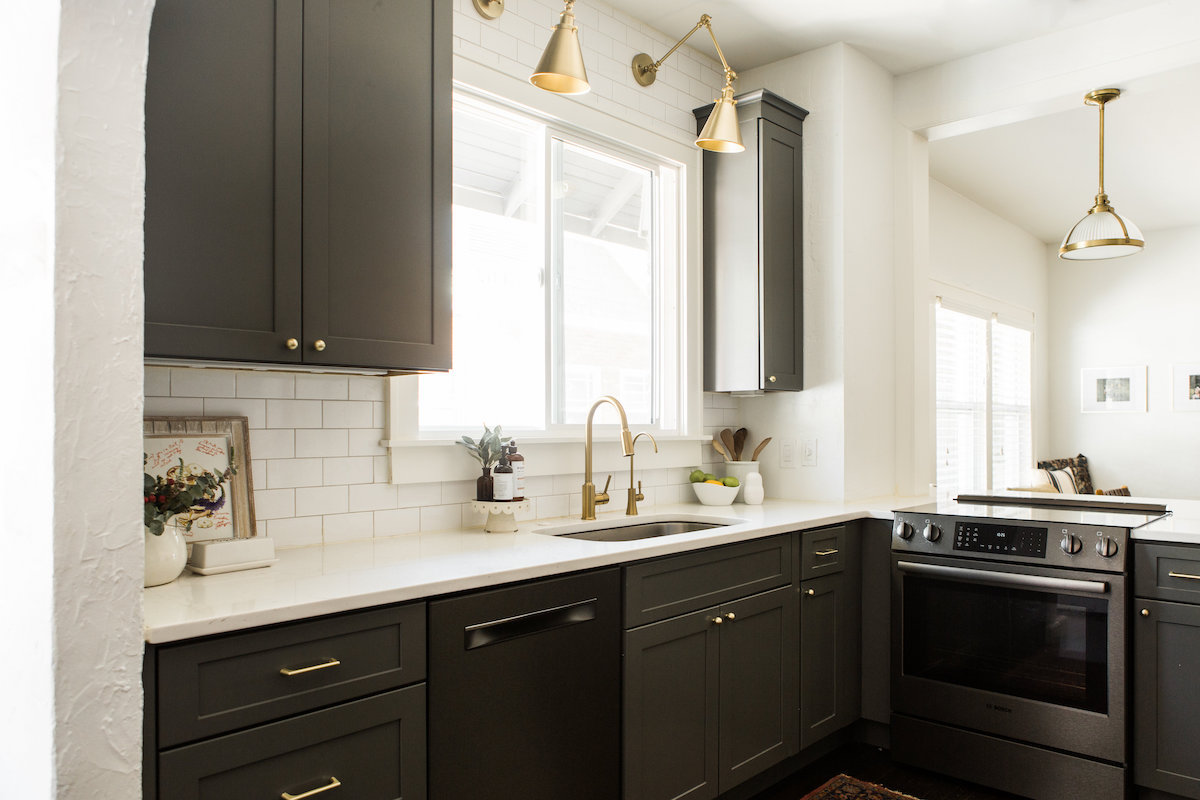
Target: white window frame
point(415, 456)
point(990, 310)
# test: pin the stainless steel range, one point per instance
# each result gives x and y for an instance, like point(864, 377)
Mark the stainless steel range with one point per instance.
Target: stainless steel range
point(1009, 646)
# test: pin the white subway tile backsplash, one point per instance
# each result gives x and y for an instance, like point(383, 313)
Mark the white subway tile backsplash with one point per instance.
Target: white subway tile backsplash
point(295, 532)
point(322, 442)
point(458, 491)
point(554, 505)
point(418, 494)
point(396, 521)
point(275, 385)
point(382, 469)
point(322, 500)
point(349, 527)
point(274, 503)
point(345, 471)
point(255, 411)
point(157, 382)
point(470, 518)
point(258, 473)
point(441, 518)
point(174, 407)
point(539, 485)
point(365, 442)
point(290, 473)
point(196, 382)
point(362, 388)
point(322, 387)
point(273, 443)
point(373, 497)
point(348, 414)
point(294, 413)
point(379, 415)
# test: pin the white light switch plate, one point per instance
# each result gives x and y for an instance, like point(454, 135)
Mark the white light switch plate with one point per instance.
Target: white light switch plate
point(787, 453)
point(808, 452)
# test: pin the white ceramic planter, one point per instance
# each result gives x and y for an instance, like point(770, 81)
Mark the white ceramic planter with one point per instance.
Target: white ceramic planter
point(165, 556)
point(739, 470)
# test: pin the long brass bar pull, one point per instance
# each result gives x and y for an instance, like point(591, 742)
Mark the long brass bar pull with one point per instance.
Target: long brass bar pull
point(333, 662)
point(830, 552)
point(1174, 574)
point(333, 784)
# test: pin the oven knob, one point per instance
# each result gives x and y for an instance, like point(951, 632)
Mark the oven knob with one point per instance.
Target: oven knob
point(932, 532)
point(1106, 547)
point(1070, 544)
point(903, 530)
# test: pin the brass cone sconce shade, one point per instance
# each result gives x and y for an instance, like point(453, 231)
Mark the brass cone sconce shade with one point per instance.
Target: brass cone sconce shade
point(560, 69)
point(1102, 233)
point(721, 133)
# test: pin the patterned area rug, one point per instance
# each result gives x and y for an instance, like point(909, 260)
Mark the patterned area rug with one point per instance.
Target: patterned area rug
point(843, 787)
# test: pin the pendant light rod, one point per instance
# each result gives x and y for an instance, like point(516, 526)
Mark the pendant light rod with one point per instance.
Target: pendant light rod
point(645, 70)
point(1099, 98)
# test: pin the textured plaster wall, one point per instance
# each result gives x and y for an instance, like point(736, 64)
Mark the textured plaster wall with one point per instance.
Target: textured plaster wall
point(28, 48)
point(97, 399)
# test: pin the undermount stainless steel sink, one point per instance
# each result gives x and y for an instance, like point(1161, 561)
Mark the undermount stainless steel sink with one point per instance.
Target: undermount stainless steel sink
point(630, 529)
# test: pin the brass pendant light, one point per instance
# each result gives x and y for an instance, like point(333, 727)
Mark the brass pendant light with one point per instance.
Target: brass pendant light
point(721, 134)
point(1102, 233)
point(560, 69)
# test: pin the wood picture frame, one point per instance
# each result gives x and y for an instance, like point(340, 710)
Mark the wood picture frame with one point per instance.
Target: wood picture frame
point(207, 443)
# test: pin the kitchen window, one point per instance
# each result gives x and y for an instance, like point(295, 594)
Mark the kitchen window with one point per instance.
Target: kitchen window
point(984, 400)
point(566, 278)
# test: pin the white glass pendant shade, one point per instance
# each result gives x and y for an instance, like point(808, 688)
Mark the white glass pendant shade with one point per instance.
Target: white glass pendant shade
point(1101, 234)
point(721, 133)
point(560, 69)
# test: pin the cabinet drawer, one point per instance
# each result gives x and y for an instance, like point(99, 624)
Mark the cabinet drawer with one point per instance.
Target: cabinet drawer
point(675, 585)
point(371, 749)
point(822, 552)
point(218, 685)
point(1167, 572)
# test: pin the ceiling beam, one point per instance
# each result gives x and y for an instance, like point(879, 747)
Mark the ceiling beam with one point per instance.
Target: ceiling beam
point(614, 201)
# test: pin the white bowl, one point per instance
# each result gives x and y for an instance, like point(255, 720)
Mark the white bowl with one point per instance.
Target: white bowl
point(712, 495)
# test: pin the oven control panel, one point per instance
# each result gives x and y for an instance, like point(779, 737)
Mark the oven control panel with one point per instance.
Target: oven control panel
point(1000, 538)
point(1032, 541)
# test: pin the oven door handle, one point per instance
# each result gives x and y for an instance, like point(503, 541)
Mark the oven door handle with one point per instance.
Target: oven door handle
point(1003, 578)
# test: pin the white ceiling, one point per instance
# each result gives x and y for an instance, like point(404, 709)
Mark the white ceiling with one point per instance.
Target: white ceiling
point(1040, 174)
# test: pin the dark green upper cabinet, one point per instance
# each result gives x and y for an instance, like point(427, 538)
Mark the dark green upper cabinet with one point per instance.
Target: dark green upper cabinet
point(298, 182)
point(753, 251)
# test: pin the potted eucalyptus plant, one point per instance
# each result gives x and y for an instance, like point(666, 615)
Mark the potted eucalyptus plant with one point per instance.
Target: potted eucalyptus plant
point(487, 452)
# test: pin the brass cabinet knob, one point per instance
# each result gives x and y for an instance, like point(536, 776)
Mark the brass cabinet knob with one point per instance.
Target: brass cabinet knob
point(717, 620)
point(810, 592)
point(292, 344)
point(1145, 612)
point(730, 616)
point(771, 379)
point(319, 345)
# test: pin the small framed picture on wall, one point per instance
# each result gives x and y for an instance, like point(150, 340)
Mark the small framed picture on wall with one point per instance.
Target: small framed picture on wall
point(1106, 390)
point(1185, 387)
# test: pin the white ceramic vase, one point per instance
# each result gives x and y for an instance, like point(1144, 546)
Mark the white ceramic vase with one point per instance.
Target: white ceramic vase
point(739, 470)
point(165, 556)
point(752, 489)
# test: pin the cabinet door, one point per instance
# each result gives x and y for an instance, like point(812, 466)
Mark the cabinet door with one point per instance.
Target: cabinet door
point(222, 230)
point(829, 678)
point(1166, 724)
point(758, 725)
point(781, 272)
point(377, 183)
point(670, 721)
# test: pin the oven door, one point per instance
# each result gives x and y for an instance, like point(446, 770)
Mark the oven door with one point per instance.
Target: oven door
point(1024, 652)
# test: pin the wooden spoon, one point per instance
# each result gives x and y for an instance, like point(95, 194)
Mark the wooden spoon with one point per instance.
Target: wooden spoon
point(727, 440)
point(720, 448)
point(759, 449)
point(739, 441)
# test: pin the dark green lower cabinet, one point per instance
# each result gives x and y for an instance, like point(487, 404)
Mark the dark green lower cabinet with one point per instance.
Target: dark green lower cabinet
point(1166, 700)
point(708, 697)
point(370, 749)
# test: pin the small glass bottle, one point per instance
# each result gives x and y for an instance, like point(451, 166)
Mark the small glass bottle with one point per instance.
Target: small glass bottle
point(483, 486)
point(502, 480)
point(518, 465)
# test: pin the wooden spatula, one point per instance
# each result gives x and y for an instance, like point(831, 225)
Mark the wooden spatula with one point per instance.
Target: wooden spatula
point(760, 447)
point(727, 440)
point(739, 441)
point(720, 448)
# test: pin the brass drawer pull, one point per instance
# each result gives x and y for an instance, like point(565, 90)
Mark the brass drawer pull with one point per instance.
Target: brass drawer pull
point(1174, 574)
point(825, 553)
point(333, 784)
point(810, 592)
point(333, 662)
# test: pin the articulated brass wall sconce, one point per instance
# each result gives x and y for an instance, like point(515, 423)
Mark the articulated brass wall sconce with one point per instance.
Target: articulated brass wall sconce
point(720, 133)
point(560, 69)
point(1102, 233)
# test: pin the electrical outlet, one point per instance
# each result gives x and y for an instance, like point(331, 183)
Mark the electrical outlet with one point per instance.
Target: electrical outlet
point(787, 453)
point(808, 452)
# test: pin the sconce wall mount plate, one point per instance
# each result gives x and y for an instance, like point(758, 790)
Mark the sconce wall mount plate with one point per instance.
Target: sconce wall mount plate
point(489, 9)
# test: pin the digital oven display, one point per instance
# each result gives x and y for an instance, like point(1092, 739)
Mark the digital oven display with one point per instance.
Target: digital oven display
point(1013, 540)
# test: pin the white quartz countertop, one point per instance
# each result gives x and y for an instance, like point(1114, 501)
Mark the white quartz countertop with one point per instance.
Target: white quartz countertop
point(1183, 528)
point(311, 581)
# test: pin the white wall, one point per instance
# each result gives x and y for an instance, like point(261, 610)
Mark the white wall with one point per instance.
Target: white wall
point(849, 353)
point(1134, 311)
point(985, 257)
